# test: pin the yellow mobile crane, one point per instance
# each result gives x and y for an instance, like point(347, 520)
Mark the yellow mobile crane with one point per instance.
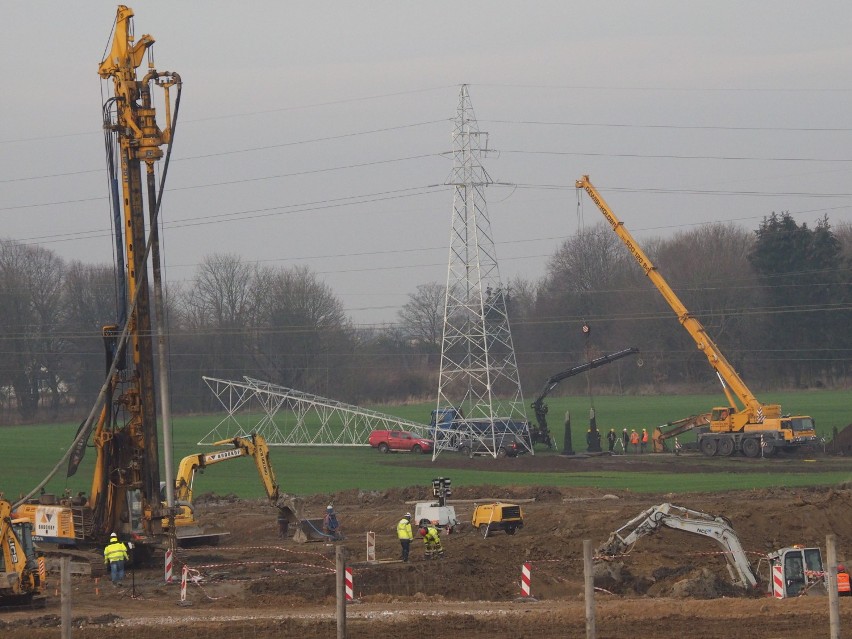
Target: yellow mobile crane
point(187, 529)
point(745, 424)
point(125, 492)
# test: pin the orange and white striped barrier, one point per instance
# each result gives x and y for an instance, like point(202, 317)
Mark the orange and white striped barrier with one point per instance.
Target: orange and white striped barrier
point(778, 582)
point(183, 577)
point(525, 579)
point(371, 547)
point(347, 578)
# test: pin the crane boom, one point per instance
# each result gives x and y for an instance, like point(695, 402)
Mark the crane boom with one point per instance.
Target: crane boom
point(745, 423)
point(730, 378)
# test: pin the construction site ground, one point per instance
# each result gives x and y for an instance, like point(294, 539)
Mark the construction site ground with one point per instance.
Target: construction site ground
point(671, 584)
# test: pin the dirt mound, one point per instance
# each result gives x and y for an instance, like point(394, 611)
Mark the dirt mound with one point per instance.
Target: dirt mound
point(256, 585)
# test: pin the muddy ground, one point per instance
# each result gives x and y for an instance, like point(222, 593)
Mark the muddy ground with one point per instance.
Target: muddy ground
point(671, 584)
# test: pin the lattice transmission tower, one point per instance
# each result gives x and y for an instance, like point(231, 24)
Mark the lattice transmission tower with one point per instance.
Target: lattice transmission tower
point(479, 373)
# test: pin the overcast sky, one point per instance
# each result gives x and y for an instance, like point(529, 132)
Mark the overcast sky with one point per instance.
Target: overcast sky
point(317, 133)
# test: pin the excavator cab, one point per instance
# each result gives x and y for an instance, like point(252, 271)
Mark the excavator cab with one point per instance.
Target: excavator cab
point(797, 571)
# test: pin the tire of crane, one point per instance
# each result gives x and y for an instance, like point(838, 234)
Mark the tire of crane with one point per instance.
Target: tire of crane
point(725, 447)
point(769, 449)
point(511, 530)
point(483, 530)
point(708, 446)
point(750, 447)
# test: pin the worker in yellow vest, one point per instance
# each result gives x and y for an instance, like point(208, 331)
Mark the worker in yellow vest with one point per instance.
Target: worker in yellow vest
point(115, 554)
point(403, 531)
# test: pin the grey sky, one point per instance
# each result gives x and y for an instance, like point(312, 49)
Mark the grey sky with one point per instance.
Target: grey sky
point(312, 133)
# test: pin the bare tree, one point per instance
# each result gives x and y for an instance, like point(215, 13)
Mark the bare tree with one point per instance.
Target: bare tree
point(303, 334)
point(422, 317)
point(219, 311)
point(30, 287)
point(89, 300)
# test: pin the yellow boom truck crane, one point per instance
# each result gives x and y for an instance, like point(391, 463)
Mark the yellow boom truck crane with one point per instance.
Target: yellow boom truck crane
point(125, 492)
point(187, 529)
point(744, 425)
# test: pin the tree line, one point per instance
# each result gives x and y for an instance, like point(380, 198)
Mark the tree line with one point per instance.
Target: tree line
point(777, 300)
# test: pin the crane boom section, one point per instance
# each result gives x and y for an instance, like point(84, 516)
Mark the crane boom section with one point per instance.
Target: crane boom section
point(727, 374)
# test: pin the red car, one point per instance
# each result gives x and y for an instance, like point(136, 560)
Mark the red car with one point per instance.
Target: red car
point(387, 440)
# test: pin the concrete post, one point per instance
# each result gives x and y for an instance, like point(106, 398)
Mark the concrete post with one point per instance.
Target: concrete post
point(340, 565)
point(65, 595)
point(589, 575)
point(833, 599)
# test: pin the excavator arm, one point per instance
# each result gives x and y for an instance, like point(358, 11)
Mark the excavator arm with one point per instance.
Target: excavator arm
point(254, 446)
point(691, 521)
point(675, 428)
point(19, 575)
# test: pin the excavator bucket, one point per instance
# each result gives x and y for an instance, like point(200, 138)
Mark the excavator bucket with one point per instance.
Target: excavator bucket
point(309, 530)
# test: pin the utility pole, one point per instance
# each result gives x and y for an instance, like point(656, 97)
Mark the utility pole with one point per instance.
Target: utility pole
point(479, 373)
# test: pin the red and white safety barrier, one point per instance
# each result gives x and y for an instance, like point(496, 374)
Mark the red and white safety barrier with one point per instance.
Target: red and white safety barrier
point(778, 582)
point(183, 578)
point(169, 567)
point(348, 582)
point(371, 547)
point(525, 579)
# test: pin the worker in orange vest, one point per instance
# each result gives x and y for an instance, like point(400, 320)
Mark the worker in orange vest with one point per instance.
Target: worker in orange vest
point(843, 587)
point(634, 439)
point(644, 439)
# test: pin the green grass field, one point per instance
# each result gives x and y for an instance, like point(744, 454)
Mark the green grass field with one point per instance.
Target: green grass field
point(30, 452)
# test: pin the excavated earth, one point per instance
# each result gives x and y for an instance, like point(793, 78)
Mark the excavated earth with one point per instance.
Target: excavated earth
point(671, 584)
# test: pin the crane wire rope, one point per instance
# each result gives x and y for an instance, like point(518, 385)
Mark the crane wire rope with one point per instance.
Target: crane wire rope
point(587, 334)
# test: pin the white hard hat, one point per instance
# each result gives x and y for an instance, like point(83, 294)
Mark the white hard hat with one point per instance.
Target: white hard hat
point(113, 536)
point(407, 515)
point(329, 507)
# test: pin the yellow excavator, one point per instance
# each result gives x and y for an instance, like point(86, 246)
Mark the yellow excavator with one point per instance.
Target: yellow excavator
point(20, 579)
point(745, 425)
point(187, 529)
